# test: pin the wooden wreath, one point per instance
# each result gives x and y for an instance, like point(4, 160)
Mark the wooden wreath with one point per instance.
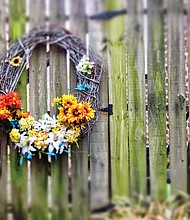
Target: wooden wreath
point(53, 35)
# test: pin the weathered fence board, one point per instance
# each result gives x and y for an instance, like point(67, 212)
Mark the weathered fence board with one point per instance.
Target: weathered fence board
point(3, 175)
point(39, 188)
point(79, 157)
point(177, 107)
point(19, 194)
point(99, 139)
point(157, 99)
point(60, 188)
point(115, 29)
point(136, 97)
point(37, 13)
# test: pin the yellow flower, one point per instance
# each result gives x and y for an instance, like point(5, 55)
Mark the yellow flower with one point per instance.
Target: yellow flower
point(39, 141)
point(15, 61)
point(57, 128)
point(72, 135)
point(14, 135)
point(26, 123)
point(74, 114)
point(68, 100)
point(86, 110)
point(56, 101)
point(32, 133)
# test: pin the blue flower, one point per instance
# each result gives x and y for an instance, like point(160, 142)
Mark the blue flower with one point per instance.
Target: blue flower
point(15, 124)
point(28, 156)
point(82, 87)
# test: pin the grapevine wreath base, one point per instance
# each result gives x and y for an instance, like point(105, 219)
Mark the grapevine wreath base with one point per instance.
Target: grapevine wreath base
point(77, 114)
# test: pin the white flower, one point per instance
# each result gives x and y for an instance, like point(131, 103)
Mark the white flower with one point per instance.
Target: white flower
point(25, 144)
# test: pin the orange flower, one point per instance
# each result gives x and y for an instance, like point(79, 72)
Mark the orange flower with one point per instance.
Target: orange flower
point(87, 111)
point(74, 114)
point(4, 113)
point(23, 115)
point(68, 100)
point(10, 100)
point(62, 116)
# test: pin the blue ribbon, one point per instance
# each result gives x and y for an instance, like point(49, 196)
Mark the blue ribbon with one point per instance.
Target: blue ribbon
point(82, 87)
point(52, 154)
point(28, 156)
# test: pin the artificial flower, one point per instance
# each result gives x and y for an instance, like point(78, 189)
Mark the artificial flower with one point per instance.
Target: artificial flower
point(72, 136)
point(14, 135)
point(16, 61)
point(27, 123)
point(4, 113)
point(85, 65)
point(87, 111)
point(40, 138)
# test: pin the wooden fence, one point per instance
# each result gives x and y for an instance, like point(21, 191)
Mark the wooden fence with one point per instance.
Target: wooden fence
point(145, 55)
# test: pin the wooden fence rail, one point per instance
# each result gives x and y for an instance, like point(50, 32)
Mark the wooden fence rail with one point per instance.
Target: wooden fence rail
point(145, 82)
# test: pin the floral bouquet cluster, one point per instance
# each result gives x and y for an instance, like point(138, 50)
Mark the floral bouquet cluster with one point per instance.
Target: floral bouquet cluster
point(85, 66)
point(49, 135)
point(10, 110)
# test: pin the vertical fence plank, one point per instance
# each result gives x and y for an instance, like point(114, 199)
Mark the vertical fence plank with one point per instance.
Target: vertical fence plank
point(79, 157)
point(99, 174)
point(136, 97)
point(3, 175)
point(57, 11)
point(117, 96)
point(18, 185)
point(17, 18)
point(177, 108)
point(156, 100)
point(3, 22)
point(78, 23)
point(59, 174)
point(39, 188)
point(188, 52)
point(38, 82)
point(37, 107)
point(37, 12)
point(3, 135)
point(58, 74)
point(59, 168)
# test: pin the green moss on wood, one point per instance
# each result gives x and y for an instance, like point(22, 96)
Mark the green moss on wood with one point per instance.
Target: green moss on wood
point(117, 96)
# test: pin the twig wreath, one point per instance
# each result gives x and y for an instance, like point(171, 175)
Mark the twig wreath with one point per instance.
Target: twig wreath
point(50, 135)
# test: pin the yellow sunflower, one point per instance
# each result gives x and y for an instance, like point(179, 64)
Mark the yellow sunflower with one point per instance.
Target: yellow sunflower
point(15, 61)
point(74, 114)
point(87, 111)
point(68, 100)
point(62, 116)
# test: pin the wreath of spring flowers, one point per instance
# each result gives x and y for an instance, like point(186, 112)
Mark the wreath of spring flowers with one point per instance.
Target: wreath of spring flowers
point(49, 135)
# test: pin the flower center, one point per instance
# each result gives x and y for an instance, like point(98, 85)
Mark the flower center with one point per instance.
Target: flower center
point(76, 112)
point(16, 61)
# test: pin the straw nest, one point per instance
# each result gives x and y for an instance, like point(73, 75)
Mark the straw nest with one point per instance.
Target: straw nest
point(53, 35)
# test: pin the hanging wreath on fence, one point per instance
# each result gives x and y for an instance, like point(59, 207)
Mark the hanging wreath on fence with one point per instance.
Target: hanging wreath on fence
point(50, 135)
